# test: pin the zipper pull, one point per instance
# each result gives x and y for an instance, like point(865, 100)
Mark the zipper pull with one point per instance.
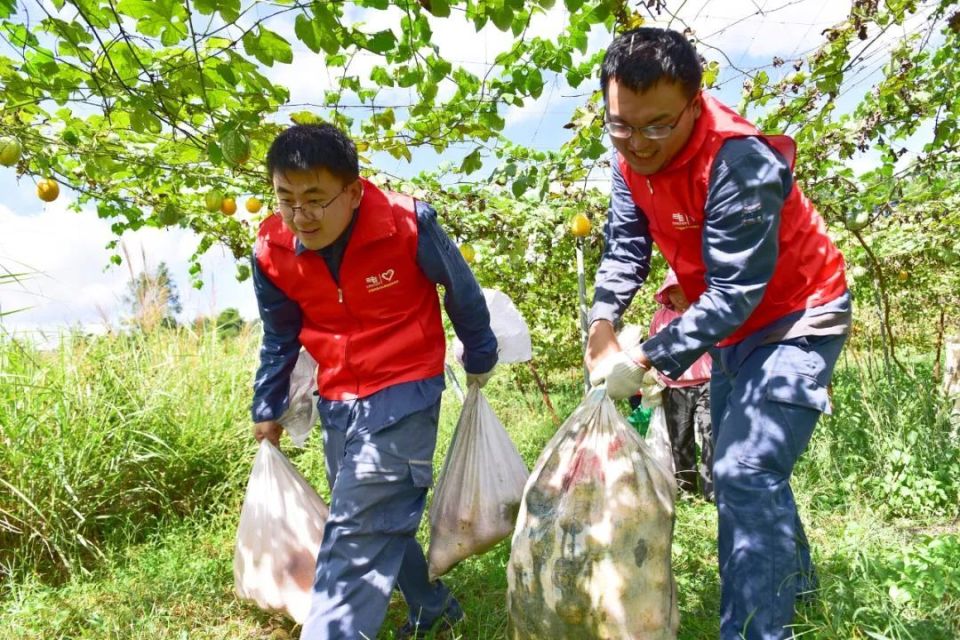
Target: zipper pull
point(650, 186)
point(340, 295)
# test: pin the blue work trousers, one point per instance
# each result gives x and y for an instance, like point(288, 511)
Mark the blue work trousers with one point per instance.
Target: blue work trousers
point(765, 402)
point(379, 486)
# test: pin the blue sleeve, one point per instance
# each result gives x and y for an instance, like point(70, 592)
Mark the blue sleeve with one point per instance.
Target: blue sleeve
point(441, 261)
point(749, 183)
point(281, 321)
point(626, 254)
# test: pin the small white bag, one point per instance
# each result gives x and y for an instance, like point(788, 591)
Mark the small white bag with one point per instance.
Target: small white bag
point(478, 494)
point(278, 538)
point(509, 327)
point(302, 413)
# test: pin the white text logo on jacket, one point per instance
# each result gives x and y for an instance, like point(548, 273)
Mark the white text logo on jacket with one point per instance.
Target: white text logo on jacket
point(381, 281)
point(682, 221)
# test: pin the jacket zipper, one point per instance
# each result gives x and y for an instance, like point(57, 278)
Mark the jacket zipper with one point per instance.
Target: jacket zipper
point(346, 348)
point(650, 186)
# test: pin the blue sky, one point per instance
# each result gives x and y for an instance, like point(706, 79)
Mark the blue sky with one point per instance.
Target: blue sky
point(74, 285)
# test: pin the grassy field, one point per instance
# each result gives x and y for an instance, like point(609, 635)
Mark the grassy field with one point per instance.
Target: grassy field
point(123, 463)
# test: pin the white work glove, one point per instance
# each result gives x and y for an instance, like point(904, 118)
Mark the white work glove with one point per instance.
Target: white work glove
point(479, 379)
point(622, 374)
point(651, 388)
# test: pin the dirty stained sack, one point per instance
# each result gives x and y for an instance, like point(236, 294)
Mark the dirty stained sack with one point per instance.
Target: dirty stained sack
point(278, 538)
point(478, 494)
point(591, 549)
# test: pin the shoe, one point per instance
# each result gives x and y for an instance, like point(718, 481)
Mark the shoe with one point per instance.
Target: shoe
point(450, 618)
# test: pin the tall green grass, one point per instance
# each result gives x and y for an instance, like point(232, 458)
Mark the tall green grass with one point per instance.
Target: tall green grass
point(127, 458)
point(103, 439)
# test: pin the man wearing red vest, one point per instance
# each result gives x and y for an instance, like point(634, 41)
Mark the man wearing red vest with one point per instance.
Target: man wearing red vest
point(769, 301)
point(350, 272)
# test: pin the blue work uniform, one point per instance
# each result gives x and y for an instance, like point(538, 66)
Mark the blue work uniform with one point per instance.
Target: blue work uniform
point(378, 450)
point(767, 391)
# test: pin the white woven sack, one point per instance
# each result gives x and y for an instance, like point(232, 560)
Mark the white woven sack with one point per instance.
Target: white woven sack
point(509, 327)
point(478, 494)
point(278, 538)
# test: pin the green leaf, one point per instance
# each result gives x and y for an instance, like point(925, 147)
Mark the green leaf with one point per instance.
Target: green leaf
point(214, 153)
point(306, 31)
point(382, 41)
point(502, 18)
point(205, 7)
point(408, 77)
point(251, 44)
point(381, 76)
point(8, 7)
point(534, 83)
point(472, 162)
point(439, 8)
point(229, 9)
point(385, 119)
point(492, 120)
point(276, 46)
point(305, 117)
point(574, 78)
point(572, 5)
point(519, 186)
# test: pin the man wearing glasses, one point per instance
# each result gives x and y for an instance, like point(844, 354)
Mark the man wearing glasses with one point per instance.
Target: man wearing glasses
point(351, 272)
point(769, 300)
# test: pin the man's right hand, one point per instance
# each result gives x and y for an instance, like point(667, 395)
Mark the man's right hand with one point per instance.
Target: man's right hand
point(602, 342)
point(270, 430)
point(623, 375)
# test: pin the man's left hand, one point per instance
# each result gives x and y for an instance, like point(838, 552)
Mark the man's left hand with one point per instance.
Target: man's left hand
point(479, 379)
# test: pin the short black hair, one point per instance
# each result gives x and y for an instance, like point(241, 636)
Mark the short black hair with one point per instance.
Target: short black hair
point(641, 58)
point(314, 146)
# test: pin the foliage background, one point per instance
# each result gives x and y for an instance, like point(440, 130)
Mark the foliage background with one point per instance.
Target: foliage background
point(143, 107)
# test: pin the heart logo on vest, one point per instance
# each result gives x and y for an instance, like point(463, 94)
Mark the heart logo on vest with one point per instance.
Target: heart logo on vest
point(382, 281)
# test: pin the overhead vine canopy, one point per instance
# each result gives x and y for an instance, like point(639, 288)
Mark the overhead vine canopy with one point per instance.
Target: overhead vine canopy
point(147, 108)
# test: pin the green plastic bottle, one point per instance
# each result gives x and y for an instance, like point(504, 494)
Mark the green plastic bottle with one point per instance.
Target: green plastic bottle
point(640, 419)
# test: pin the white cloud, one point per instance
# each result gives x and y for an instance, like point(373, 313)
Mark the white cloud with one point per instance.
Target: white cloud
point(757, 28)
point(69, 280)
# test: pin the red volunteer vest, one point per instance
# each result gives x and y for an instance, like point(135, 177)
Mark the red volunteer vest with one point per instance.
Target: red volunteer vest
point(382, 325)
point(809, 270)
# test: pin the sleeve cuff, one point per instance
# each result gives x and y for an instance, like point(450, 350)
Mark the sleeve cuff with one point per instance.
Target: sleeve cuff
point(479, 362)
point(661, 358)
point(602, 311)
point(261, 411)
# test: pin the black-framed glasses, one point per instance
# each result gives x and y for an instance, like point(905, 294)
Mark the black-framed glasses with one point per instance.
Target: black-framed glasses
point(311, 208)
point(622, 131)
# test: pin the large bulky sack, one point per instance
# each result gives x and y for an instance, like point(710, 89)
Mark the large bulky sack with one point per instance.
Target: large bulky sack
point(281, 526)
point(478, 494)
point(509, 327)
point(302, 413)
point(591, 550)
